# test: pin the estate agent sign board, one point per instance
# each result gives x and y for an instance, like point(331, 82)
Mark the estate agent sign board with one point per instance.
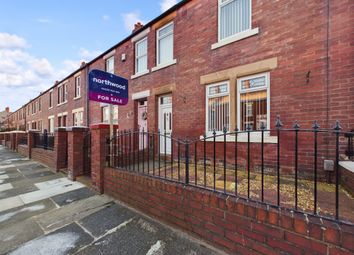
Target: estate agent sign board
point(107, 88)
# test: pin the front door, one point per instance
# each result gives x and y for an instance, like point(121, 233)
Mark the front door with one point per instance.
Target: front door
point(165, 123)
point(142, 123)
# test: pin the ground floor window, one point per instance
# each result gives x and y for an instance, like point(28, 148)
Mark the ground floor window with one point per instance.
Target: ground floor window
point(78, 119)
point(105, 114)
point(217, 107)
point(253, 102)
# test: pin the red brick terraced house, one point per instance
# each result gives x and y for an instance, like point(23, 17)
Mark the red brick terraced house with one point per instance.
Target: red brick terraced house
point(209, 65)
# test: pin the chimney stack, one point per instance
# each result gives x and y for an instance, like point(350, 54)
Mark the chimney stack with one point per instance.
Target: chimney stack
point(137, 26)
point(7, 109)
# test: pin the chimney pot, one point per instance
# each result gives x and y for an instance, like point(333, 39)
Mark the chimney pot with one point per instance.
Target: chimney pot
point(137, 26)
point(7, 109)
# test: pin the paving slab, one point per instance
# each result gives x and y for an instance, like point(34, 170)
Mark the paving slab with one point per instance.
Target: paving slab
point(24, 212)
point(73, 212)
point(9, 203)
point(101, 222)
point(18, 190)
point(73, 196)
point(6, 186)
point(50, 192)
point(63, 241)
point(14, 235)
point(39, 174)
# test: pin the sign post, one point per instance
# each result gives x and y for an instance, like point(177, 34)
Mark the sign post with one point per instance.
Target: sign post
point(108, 88)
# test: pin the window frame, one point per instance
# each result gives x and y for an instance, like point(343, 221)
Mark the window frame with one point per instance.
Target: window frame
point(111, 58)
point(138, 57)
point(208, 96)
point(77, 87)
point(220, 5)
point(158, 63)
point(240, 91)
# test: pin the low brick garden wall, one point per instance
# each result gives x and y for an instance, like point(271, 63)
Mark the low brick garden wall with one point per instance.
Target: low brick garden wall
point(44, 156)
point(23, 150)
point(233, 224)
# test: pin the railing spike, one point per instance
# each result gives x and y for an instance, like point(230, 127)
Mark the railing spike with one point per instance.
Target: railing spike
point(278, 123)
point(248, 127)
point(225, 130)
point(214, 132)
point(262, 127)
point(337, 127)
point(296, 125)
point(315, 125)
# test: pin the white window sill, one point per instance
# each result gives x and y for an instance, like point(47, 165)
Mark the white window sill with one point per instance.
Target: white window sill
point(139, 74)
point(76, 98)
point(62, 103)
point(235, 38)
point(164, 65)
point(242, 138)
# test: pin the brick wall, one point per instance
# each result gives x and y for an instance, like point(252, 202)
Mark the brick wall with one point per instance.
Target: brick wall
point(233, 224)
point(23, 150)
point(44, 156)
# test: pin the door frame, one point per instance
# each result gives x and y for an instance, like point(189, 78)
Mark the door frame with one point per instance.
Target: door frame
point(160, 106)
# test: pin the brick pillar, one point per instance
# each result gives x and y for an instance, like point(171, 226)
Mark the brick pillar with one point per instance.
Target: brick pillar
point(12, 141)
point(76, 136)
point(31, 141)
point(18, 137)
point(60, 149)
point(99, 134)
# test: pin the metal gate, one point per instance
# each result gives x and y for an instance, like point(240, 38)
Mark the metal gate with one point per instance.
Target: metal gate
point(87, 154)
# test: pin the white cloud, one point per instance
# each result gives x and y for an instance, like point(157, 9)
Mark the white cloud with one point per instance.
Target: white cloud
point(87, 54)
point(130, 19)
point(44, 20)
point(12, 41)
point(106, 17)
point(167, 4)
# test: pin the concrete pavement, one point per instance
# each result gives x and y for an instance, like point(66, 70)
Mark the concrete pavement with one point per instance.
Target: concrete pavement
point(45, 213)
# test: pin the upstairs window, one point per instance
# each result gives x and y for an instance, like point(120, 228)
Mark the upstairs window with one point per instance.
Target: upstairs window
point(110, 65)
point(217, 107)
point(253, 102)
point(141, 56)
point(165, 44)
point(234, 17)
point(50, 99)
point(77, 86)
point(62, 94)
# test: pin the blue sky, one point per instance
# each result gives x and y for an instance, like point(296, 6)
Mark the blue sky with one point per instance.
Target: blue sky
point(43, 41)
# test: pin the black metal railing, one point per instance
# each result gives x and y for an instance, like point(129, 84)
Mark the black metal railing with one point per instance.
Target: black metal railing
point(43, 141)
point(280, 167)
point(23, 140)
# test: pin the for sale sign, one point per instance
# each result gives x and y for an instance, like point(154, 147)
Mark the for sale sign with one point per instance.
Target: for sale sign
point(107, 88)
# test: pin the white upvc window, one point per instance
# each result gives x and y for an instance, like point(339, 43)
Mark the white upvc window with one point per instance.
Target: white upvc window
point(253, 102)
point(50, 99)
point(77, 87)
point(105, 114)
point(78, 118)
point(235, 16)
point(62, 94)
point(165, 44)
point(218, 107)
point(51, 124)
point(141, 56)
point(110, 65)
